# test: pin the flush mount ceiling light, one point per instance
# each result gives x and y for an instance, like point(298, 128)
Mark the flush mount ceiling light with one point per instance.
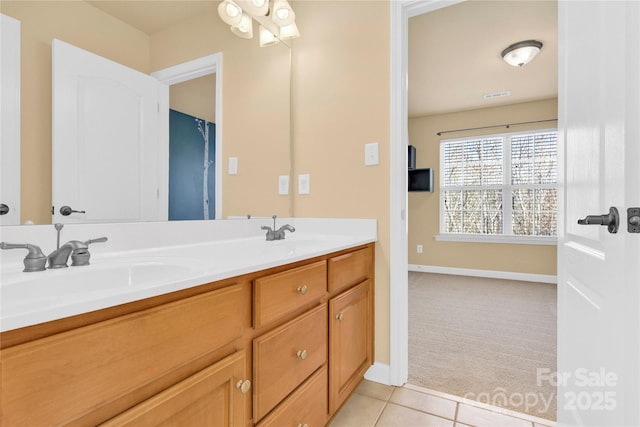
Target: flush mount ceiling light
point(275, 23)
point(521, 53)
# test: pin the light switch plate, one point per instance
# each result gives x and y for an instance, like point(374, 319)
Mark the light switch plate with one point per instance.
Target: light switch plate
point(283, 184)
point(371, 154)
point(233, 165)
point(304, 184)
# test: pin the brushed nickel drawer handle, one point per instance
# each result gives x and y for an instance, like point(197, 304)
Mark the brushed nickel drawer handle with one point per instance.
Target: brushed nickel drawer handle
point(339, 316)
point(301, 354)
point(302, 290)
point(243, 386)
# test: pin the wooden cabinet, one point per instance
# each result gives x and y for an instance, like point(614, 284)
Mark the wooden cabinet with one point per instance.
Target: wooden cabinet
point(277, 294)
point(350, 333)
point(286, 356)
point(307, 406)
point(212, 397)
point(81, 374)
point(280, 347)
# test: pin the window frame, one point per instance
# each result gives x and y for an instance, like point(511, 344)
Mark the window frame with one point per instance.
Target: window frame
point(507, 193)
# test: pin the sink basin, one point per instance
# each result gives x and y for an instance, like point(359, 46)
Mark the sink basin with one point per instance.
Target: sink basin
point(26, 291)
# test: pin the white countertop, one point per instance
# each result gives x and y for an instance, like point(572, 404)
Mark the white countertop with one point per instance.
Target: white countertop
point(148, 259)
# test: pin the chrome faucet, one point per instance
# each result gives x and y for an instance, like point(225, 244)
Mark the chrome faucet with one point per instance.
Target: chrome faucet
point(273, 234)
point(36, 261)
point(59, 257)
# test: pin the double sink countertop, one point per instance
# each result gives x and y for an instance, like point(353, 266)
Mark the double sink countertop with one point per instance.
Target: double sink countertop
point(143, 260)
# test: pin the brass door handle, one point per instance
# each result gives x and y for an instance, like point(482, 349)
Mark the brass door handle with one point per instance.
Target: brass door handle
point(301, 354)
point(339, 316)
point(243, 386)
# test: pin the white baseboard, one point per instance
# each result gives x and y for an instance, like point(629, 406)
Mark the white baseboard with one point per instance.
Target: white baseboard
point(380, 373)
point(493, 274)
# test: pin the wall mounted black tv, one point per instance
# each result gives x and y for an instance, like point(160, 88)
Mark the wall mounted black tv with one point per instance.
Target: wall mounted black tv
point(421, 179)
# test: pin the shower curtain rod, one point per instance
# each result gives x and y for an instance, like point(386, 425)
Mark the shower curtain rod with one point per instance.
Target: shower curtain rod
point(507, 125)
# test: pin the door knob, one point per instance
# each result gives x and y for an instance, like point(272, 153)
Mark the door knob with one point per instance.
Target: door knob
point(611, 220)
point(4, 209)
point(66, 211)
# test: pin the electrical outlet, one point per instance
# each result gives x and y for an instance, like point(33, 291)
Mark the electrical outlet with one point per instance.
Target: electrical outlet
point(419, 249)
point(304, 184)
point(283, 184)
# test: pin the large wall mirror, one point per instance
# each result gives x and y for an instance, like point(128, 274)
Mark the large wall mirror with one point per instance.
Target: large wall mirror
point(149, 36)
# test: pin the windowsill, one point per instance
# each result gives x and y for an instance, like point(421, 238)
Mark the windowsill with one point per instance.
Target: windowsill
point(483, 238)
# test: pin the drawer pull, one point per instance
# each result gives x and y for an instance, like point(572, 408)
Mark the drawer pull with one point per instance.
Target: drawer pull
point(243, 386)
point(301, 354)
point(303, 425)
point(339, 316)
point(302, 290)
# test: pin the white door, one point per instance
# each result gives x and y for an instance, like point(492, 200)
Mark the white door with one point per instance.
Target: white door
point(598, 271)
point(9, 121)
point(106, 158)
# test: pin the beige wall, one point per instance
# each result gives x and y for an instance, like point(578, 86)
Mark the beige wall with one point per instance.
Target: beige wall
point(195, 97)
point(341, 101)
point(255, 95)
point(424, 208)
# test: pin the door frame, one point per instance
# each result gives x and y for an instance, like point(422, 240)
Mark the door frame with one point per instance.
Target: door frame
point(186, 71)
point(401, 11)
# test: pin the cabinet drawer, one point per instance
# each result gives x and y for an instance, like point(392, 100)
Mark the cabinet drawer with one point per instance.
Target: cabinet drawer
point(350, 269)
point(281, 293)
point(54, 380)
point(306, 406)
point(286, 356)
point(208, 398)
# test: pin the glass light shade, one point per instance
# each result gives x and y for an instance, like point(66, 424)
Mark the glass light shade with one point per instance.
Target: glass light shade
point(230, 12)
point(289, 32)
point(267, 38)
point(256, 7)
point(282, 14)
point(521, 53)
point(245, 28)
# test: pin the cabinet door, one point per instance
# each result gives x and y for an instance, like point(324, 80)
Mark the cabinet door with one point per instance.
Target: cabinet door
point(351, 343)
point(214, 396)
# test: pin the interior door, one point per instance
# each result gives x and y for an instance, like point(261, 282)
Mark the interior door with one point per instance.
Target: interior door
point(599, 273)
point(9, 121)
point(107, 161)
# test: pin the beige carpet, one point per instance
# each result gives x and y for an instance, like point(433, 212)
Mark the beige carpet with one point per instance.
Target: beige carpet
point(484, 339)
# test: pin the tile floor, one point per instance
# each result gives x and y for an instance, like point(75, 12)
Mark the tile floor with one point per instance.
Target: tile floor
point(378, 405)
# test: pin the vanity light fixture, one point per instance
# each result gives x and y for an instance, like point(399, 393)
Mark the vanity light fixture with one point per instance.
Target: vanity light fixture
point(244, 29)
point(282, 13)
point(521, 53)
point(276, 20)
point(289, 32)
point(255, 7)
point(267, 38)
point(230, 12)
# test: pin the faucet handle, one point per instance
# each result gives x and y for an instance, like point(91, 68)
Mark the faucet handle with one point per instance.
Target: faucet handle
point(98, 240)
point(80, 257)
point(35, 259)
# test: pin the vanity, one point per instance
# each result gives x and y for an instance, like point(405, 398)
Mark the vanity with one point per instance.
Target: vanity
point(257, 333)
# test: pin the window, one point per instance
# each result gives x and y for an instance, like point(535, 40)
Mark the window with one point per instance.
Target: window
point(499, 185)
